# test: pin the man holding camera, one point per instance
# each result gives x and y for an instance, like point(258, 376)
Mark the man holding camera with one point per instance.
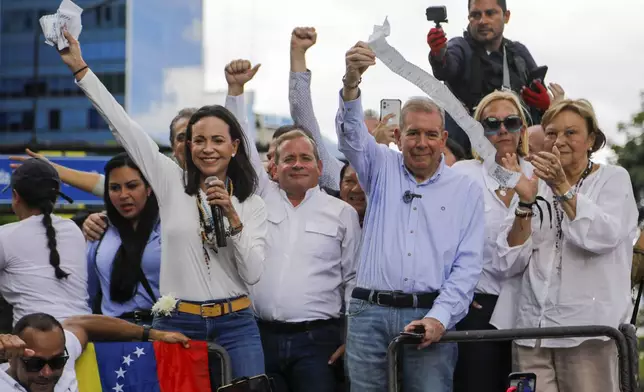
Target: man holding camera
point(483, 61)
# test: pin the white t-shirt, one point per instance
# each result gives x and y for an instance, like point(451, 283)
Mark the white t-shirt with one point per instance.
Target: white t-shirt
point(66, 383)
point(28, 282)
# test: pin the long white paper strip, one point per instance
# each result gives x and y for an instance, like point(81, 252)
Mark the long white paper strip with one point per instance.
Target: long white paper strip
point(443, 98)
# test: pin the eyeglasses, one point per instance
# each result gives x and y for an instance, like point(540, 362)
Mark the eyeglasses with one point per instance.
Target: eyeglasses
point(492, 125)
point(35, 364)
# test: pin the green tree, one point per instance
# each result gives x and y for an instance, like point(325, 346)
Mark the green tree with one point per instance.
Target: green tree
point(631, 155)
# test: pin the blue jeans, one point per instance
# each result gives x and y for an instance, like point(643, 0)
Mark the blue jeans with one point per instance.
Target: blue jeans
point(237, 332)
point(298, 362)
point(370, 330)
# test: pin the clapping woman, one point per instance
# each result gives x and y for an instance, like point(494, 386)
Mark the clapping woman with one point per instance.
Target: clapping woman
point(204, 287)
point(576, 261)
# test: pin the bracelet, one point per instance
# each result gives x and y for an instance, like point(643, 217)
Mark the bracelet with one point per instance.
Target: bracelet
point(146, 333)
point(233, 231)
point(526, 205)
point(638, 251)
point(519, 213)
point(81, 70)
point(344, 82)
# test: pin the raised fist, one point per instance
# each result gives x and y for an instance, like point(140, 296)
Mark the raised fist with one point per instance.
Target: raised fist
point(239, 72)
point(302, 38)
point(358, 59)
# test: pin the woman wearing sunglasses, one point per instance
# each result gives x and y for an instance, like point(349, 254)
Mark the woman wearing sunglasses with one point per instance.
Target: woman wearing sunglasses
point(575, 263)
point(504, 124)
point(204, 284)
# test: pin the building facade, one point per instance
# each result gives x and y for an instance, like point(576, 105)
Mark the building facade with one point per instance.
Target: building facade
point(39, 102)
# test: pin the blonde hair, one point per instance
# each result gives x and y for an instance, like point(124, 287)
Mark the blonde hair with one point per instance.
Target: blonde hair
point(291, 135)
point(421, 105)
point(585, 110)
point(511, 97)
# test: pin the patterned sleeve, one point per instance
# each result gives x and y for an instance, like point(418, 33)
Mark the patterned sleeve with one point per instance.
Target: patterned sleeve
point(301, 103)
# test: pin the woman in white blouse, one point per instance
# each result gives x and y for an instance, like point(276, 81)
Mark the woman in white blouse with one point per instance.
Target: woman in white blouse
point(42, 257)
point(576, 263)
point(504, 125)
point(204, 287)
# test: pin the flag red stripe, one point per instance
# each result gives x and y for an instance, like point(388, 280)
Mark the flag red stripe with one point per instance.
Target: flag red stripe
point(182, 370)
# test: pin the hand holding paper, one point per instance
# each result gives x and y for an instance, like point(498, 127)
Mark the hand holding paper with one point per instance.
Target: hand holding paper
point(68, 17)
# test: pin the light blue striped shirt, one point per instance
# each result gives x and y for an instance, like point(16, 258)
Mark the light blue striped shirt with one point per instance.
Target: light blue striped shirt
point(434, 243)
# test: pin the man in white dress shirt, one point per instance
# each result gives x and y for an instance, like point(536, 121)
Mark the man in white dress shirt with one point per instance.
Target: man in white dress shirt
point(42, 352)
point(311, 255)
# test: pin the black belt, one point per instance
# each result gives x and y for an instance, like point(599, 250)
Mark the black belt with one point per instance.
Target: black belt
point(138, 315)
point(395, 299)
point(284, 327)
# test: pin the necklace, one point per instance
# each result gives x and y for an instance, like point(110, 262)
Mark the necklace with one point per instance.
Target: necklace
point(207, 222)
point(559, 213)
point(503, 191)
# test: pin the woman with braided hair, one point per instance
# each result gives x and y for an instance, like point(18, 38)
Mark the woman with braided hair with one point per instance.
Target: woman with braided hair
point(42, 257)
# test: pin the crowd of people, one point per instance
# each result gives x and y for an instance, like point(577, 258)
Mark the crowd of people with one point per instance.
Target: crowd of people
point(323, 262)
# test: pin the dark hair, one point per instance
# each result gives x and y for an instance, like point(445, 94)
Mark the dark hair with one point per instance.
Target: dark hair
point(39, 321)
point(240, 170)
point(343, 170)
point(183, 113)
point(502, 3)
point(457, 150)
point(126, 267)
point(41, 193)
point(288, 128)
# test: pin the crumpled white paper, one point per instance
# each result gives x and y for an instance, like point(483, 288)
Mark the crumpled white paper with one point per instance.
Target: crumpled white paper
point(67, 17)
point(444, 98)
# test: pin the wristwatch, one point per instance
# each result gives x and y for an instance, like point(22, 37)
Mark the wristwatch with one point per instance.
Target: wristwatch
point(146, 333)
point(566, 196)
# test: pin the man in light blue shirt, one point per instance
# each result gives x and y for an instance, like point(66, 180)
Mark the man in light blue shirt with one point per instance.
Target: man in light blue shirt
point(423, 241)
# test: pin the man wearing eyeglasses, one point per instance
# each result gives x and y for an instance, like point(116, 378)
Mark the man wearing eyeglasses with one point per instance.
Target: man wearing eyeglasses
point(42, 352)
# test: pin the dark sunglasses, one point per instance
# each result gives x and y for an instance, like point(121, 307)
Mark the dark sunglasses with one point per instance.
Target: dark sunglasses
point(35, 364)
point(492, 125)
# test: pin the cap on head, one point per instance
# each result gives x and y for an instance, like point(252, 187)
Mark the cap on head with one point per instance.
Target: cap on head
point(36, 180)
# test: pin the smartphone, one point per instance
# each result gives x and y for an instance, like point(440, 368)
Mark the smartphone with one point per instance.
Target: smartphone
point(418, 332)
point(524, 382)
point(259, 383)
point(389, 106)
point(436, 14)
point(539, 74)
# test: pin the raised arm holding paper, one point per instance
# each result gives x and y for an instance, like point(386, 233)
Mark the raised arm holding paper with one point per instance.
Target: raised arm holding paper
point(423, 239)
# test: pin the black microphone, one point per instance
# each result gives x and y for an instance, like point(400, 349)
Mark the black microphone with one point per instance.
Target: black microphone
point(218, 218)
point(408, 197)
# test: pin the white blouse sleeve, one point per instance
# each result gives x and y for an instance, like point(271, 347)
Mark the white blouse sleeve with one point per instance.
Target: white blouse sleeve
point(249, 245)
point(513, 260)
point(154, 165)
point(600, 226)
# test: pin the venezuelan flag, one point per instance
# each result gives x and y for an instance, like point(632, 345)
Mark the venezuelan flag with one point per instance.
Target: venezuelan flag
point(143, 367)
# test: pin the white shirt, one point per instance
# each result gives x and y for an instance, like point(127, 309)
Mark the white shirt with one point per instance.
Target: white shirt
point(591, 286)
point(28, 282)
point(66, 383)
point(311, 250)
point(184, 273)
point(495, 213)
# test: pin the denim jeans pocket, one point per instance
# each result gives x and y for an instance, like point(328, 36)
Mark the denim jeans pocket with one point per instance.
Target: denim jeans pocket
point(356, 306)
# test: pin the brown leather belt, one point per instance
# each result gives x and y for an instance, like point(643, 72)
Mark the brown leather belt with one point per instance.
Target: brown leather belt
point(214, 310)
